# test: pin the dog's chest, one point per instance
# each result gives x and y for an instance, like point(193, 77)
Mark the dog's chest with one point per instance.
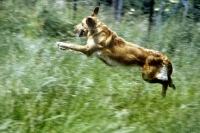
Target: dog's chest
point(106, 59)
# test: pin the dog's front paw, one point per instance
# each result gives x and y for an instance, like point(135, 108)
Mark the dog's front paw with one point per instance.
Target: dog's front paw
point(60, 45)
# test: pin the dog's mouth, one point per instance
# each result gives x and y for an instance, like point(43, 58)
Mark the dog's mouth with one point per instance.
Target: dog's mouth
point(81, 32)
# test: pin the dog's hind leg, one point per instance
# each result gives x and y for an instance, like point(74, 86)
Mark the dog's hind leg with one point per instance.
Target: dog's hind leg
point(164, 88)
point(170, 83)
point(169, 72)
point(164, 85)
point(161, 75)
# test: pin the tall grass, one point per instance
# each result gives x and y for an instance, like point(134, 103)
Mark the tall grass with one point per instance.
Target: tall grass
point(46, 90)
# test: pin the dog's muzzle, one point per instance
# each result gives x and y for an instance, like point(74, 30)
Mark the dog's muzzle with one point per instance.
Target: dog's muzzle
point(80, 31)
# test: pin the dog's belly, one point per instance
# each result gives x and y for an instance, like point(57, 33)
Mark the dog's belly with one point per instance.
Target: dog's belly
point(106, 59)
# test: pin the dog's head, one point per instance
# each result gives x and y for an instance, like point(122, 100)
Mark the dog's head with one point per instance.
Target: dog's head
point(87, 24)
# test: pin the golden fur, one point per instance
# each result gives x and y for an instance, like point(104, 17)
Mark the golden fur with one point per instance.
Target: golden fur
point(113, 50)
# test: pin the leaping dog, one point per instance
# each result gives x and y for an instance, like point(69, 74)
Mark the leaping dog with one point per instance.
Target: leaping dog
point(114, 50)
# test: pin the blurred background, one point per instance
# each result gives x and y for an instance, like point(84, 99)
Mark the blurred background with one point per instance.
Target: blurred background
point(46, 90)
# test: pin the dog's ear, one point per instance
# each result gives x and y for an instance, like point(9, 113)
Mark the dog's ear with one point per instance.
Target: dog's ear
point(95, 11)
point(90, 22)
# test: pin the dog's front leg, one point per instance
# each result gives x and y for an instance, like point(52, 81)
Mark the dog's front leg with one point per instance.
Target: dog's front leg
point(83, 49)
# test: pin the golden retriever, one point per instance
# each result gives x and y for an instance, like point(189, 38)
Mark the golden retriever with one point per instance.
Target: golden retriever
point(113, 50)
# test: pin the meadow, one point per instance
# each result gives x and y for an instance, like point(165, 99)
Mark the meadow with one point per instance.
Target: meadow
point(47, 90)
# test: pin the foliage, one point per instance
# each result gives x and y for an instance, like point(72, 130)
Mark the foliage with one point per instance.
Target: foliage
point(44, 89)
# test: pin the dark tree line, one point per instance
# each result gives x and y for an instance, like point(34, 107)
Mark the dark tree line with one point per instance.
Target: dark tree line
point(148, 6)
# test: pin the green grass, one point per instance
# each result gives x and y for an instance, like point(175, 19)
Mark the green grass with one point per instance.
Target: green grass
point(46, 90)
